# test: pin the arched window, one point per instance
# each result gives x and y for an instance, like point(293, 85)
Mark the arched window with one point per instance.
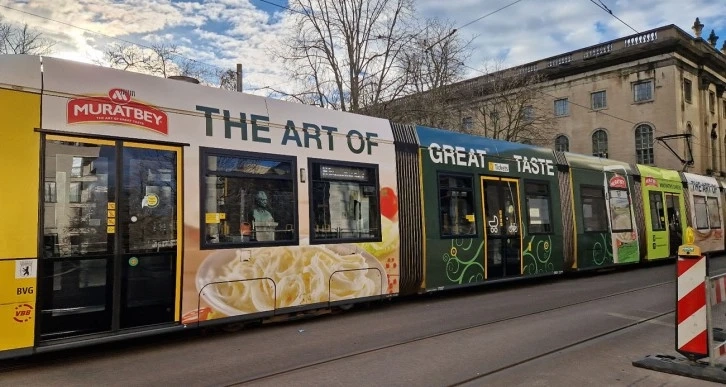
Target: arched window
point(562, 143)
point(600, 143)
point(644, 144)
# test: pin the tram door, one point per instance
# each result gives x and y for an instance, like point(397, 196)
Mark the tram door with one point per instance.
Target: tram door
point(675, 239)
point(502, 227)
point(110, 236)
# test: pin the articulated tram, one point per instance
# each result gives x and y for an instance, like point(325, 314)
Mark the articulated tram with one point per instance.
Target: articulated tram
point(133, 205)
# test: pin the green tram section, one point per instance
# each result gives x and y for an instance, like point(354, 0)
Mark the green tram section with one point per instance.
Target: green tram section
point(491, 210)
point(664, 210)
point(602, 193)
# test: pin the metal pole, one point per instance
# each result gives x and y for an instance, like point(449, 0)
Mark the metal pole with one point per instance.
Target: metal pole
point(239, 77)
point(709, 323)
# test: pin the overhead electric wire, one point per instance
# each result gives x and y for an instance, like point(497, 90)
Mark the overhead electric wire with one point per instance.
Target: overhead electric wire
point(453, 31)
point(609, 11)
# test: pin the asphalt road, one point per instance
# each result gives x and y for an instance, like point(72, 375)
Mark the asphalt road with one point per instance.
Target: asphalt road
point(580, 331)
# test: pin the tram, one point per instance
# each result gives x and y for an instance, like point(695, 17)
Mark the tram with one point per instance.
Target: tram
point(133, 205)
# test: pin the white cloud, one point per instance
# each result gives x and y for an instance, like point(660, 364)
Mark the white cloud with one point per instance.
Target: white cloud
point(226, 32)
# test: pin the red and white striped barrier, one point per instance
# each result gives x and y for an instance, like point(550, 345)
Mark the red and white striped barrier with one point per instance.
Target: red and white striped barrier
point(718, 291)
point(691, 332)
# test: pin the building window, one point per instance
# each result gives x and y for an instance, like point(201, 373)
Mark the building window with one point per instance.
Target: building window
point(598, 100)
point(712, 101)
point(562, 107)
point(456, 206)
point(644, 144)
point(594, 212)
point(723, 113)
point(50, 192)
point(687, 145)
point(248, 198)
point(528, 113)
point(643, 91)
point(657, 217)
point(344, 202)
point(467, 123)
point(687, 90)
point(600, 143)
point(538, 207)
point(562, 143)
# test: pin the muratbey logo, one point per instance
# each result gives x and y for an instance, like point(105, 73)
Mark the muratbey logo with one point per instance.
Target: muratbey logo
point(618, 181)
point(649, 181)
point(118, 108)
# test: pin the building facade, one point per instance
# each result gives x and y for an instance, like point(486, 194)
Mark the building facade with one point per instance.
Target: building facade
point(616, 100)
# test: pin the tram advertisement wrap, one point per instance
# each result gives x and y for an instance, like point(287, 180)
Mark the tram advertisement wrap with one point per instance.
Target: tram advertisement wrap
point(265, 184)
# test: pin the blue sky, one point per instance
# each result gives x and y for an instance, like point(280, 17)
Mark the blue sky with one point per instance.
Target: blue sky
point(225, 32)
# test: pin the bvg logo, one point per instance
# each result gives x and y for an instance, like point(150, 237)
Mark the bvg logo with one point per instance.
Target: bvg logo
point(23, 313)
point(120, 96)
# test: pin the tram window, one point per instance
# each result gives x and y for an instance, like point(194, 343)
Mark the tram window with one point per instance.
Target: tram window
point(247, 198)
point(701, 208)
point(77, 197)
point(594, 212)
point(344, 202)
point(456, 206)
point(620, 210)
point(538, 207)
point(657, 217)
point(714, 213)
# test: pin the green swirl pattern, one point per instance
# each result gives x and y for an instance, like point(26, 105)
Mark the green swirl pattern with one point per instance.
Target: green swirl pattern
point(461, 262)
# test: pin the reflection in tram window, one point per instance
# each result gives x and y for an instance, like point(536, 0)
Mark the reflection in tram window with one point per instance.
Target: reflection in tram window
point(701, 209)
point(538, 207)
point(456, 201)
point(76, 183)
point(656, 211)
point(594, 212)
point(620, 210)
point(248, 198)
point(344, 202)
point(714, 213)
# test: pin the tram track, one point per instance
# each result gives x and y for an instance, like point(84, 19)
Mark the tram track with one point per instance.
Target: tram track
point(430, 336)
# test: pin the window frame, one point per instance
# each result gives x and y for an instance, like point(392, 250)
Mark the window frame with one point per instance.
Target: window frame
point(548, 197)
point(566, 143)
point(204, 172)
point(651, 90)
point(566, 109)
point(604, 100)
point(439, 174)
point(606, 142)
point(709, 200)
point(687, 90)
point(638, 134)
point(467, 123)
point(630, 210)
point(604, 216)
point(655, 215)
point(312, 162)
point(712, 101)
point(695, 213)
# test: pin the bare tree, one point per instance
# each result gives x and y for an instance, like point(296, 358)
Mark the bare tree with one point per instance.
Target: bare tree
point(165, 60)
point(508, 105)
point(23, 40)
point(345, 51)
point(431, 62)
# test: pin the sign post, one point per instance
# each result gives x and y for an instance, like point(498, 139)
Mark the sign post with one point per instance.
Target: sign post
point(691, 318)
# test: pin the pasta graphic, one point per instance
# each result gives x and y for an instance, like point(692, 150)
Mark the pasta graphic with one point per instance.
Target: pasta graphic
point(242, 282)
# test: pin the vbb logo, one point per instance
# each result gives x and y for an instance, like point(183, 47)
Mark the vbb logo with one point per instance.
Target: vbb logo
point(23, 313)
point(120, 96)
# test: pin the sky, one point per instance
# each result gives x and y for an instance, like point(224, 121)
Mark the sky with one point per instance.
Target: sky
point(226, 32)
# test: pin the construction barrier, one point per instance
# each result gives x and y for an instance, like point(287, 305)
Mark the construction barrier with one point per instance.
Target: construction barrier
point(716, 316)
point(692, 338)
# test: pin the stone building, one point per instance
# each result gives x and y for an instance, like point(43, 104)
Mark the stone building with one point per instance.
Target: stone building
point(617, 98)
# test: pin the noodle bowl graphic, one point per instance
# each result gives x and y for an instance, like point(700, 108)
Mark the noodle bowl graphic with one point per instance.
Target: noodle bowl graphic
point(235, 282)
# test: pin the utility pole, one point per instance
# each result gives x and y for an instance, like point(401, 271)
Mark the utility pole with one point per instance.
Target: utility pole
point(239, 77)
